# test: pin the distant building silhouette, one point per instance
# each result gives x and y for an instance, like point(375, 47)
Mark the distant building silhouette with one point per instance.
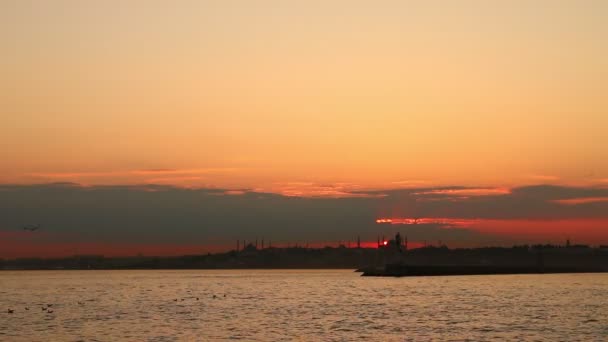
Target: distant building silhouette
point(398, 241)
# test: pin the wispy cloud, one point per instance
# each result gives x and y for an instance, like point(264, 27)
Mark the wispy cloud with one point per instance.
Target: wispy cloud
point(173, 180)
point(187, 177)
point(72, 175)
point(582, 200)
point(310, 189)
point(140, 172)
point(467, 192)
point(442, 221)
point(411, 183)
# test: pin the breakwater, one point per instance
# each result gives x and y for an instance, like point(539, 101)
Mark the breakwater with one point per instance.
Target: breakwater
point(403, 270)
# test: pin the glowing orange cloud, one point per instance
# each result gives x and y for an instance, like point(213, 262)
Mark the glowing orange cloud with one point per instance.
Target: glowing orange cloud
point(411, 183)
point(309, 189)
point(467, 192)
point(235, 192)
point(583, 200)
point(452, 222)
point(128, 174)
point(589, 230)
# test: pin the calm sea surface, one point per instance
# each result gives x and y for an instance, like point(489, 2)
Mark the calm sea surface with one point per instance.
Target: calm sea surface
point(299, 305)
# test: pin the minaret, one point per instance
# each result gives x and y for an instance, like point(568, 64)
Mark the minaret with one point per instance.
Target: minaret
point(358, 242)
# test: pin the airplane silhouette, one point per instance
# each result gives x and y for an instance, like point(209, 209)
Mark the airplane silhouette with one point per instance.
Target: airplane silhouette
point(31, 228)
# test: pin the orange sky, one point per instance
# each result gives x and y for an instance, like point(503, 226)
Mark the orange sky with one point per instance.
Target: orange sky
point(269, 94)
point(342, 100)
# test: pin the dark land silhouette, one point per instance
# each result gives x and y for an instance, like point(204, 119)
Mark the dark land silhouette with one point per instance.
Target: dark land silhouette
point(387, 255)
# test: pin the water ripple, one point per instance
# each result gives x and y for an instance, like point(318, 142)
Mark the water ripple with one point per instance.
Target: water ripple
point(299, 305)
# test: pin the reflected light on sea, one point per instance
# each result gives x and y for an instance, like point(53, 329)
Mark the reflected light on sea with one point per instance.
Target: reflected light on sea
point(274, 305)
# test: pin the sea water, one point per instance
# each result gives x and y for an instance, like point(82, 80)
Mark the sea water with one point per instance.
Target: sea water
point(305, 305)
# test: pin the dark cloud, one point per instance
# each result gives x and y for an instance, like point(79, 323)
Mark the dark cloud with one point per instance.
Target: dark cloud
point(167, 214)
point(452, 236)
point(530, 202)
point(553, 192)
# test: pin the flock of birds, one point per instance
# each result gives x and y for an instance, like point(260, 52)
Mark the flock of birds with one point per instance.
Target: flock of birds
point(48, 307)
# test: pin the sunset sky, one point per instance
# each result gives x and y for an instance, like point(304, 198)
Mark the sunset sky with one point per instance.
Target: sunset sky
point(209, 121)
